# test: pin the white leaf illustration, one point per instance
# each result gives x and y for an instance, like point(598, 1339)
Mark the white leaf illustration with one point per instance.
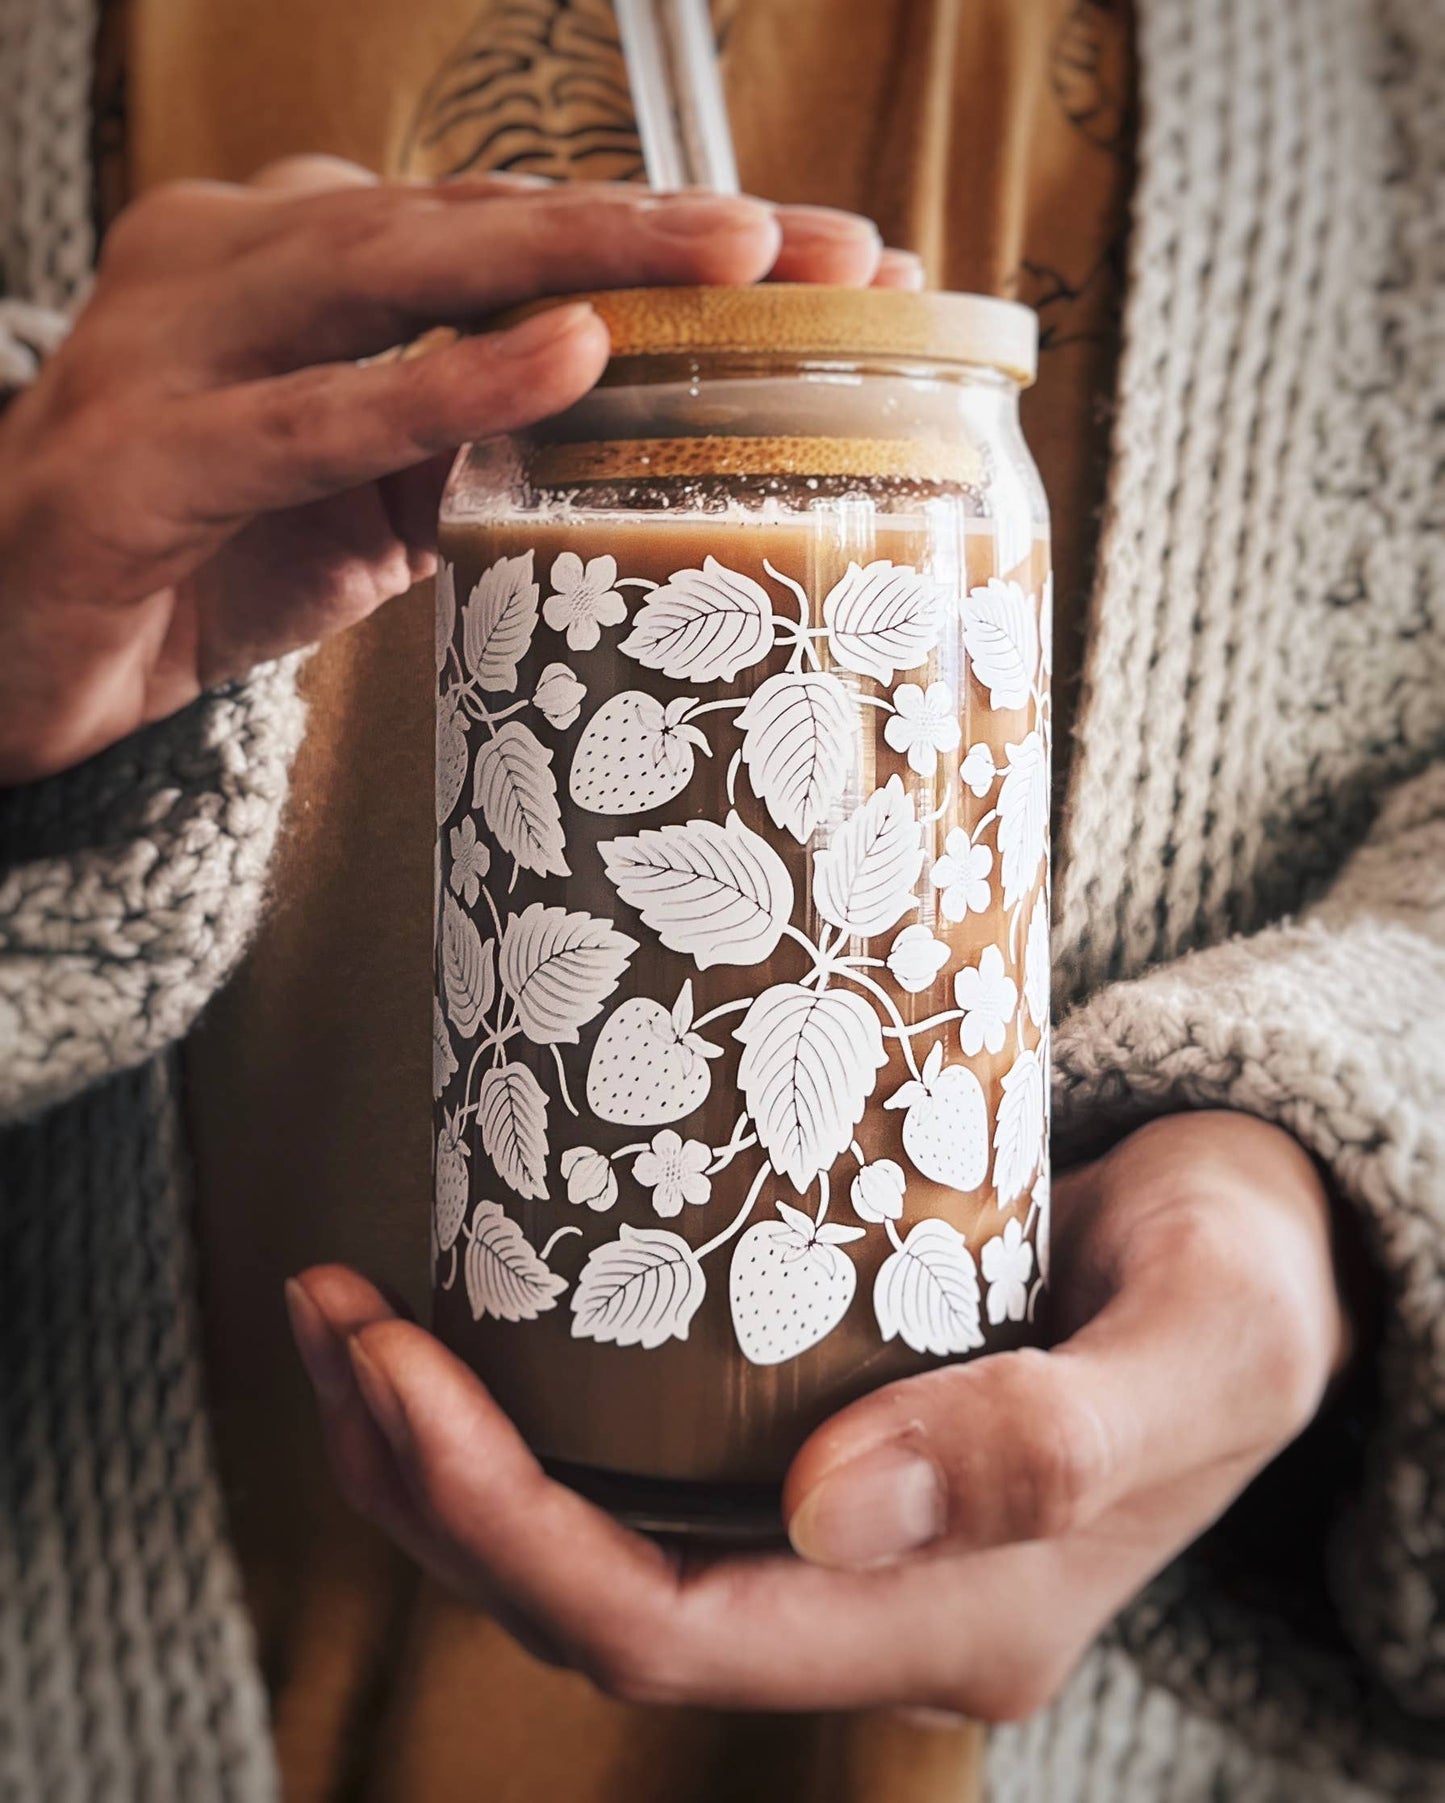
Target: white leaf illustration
point(720, 893)
point(467, 978)
point(451, 753)
point(1041, 1205)
point(926, 1293)
point(498, 622)
point(1036, 962)
point(638, 1290)
point(809, 1064)
point(1023, 817)
point(883, 618)
point(512, 1118)
point(800, 739)
point(446, 610)
point(703, 625)
point(443, 1059)
point(1018, 1135)
point(506, 1278)
point(559, 968)
point(863, 880)
point(517, 793)
point(1001, 636)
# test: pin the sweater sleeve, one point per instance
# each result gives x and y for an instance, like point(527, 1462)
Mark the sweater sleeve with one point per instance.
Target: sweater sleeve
point(129, 887)
point(1331, 1025)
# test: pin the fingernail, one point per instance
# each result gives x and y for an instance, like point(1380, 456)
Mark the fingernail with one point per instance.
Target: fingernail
point(825, 225)
point(322, 1353)
point(899, 269)
point(439, 338)
point(544, 328)
point(380, 1397)
point(870, 1511)
point(698, 216)
point(931, 1721)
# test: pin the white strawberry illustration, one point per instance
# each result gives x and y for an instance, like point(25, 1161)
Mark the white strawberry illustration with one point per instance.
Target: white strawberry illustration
point(451, 1185)
point(451, 756)
point(635, 754)
point(648, 1066)
point(945, 1131)
point(790, 1286)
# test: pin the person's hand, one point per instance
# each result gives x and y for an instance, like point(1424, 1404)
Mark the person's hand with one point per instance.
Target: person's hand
point(204, 476)
point(964, 1534)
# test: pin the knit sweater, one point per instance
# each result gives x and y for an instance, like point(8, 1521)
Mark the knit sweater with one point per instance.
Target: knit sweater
point(1251, 914)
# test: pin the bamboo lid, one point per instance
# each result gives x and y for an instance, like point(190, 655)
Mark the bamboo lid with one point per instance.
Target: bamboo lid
point(973, 329)
point(644, 459)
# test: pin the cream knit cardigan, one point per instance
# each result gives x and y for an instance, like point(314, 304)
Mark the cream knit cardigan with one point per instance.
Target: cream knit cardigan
point(1251, 914)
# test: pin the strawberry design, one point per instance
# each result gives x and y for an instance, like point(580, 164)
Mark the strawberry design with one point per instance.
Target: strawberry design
point(648, 1066)
point(945, 1131)
point(635, 754)
point(790, 1286)
point(451, 1185)
point(451, 756)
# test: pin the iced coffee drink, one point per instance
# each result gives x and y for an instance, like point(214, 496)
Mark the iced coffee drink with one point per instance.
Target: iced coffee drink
point(742, 973)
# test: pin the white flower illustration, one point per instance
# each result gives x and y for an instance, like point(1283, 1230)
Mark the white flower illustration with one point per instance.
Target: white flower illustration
point(877, 1191)
point(1008, 1264)
point(1046, 626)
point(585, 600)
point(673, 1170)
point(559, 695)
point(923, 724)
point(589, 1178)
point(962, 874)
point(988, 997)
point(915, 958)
point(470, 861)
point(978, 769)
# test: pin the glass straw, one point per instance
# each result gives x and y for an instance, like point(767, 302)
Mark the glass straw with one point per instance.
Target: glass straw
point(677, 96)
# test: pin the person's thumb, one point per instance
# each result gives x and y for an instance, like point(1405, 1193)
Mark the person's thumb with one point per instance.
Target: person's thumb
point(1010, 1448)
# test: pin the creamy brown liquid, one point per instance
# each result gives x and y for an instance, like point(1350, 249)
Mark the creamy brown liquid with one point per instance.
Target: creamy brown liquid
point(695, 1409)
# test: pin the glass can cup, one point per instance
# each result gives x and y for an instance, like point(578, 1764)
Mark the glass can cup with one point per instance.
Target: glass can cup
point(742, 919)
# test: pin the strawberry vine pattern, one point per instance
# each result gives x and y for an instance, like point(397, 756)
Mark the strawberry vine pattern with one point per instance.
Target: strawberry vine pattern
point(810, 1052)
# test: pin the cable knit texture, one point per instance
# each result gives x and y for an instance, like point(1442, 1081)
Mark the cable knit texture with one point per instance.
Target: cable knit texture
point(128, 890)
point(1251, 915)
point(1267, 660)
point(128, 887)
point(47, 242)
point(126, 1667)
